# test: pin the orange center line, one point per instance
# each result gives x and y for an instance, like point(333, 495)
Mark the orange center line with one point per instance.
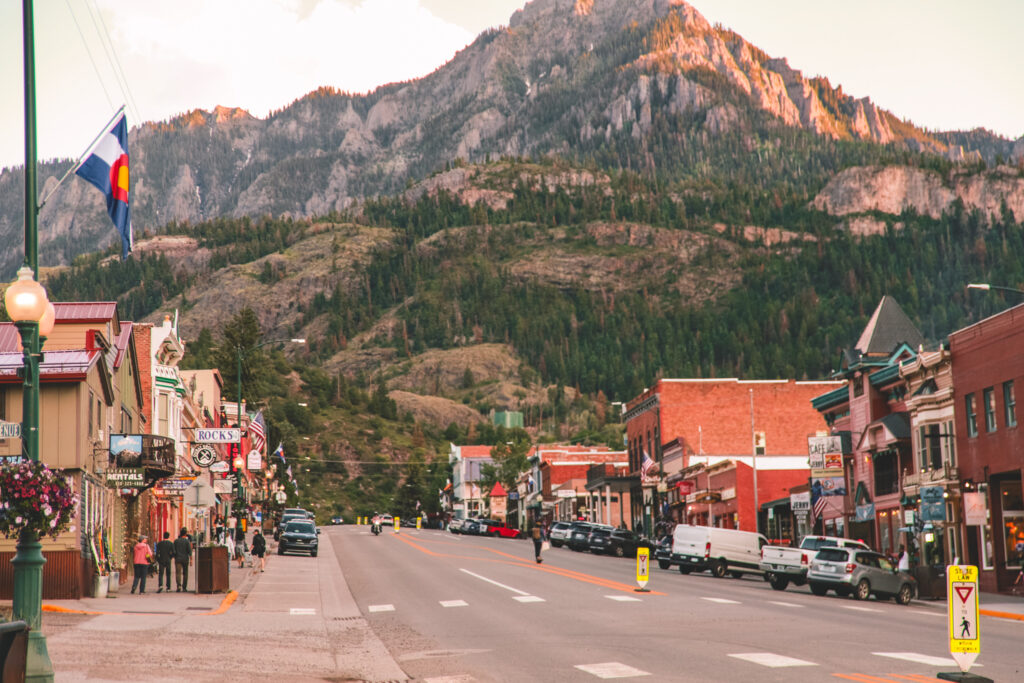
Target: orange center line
point(519, 561)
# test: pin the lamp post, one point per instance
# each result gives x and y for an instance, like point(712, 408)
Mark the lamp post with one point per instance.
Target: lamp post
point(238, 377)
point(753, 457)
point(984, 286)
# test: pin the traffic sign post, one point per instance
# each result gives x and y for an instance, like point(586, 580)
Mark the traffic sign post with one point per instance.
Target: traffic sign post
point(397, 527)
point(643, 569)
point(419, 522)
point(964, 635)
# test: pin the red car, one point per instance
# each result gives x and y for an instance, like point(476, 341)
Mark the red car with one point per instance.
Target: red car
point(492, 527)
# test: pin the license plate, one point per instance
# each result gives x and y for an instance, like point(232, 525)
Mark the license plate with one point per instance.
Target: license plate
point(829, 568)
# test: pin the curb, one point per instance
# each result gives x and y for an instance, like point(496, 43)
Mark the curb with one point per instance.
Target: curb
point(225, 604)
point(1001, 615)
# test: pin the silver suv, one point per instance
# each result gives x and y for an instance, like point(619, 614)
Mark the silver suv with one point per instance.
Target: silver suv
point(559, 533)
point(861, 573)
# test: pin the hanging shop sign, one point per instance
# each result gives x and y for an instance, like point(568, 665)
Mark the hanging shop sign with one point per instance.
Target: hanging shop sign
point(800, 502)
point(865, 513)
point(218, 435)
point(126, 477)
point(933, 504)
point(975, 513)
point(254, 460)
point(204, 455)
point(10, 430)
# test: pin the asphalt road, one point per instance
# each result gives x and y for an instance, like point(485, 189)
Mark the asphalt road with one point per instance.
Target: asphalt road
point(459, 608)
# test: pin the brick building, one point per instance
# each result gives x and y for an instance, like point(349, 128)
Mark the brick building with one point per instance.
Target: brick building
point(987, 367)
point(702, 435)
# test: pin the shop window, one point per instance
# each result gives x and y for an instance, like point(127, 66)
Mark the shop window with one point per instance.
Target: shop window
point(1013, 522)
point(971, 415)
point(990, 409)
point(1009, 404)
point(987, 550)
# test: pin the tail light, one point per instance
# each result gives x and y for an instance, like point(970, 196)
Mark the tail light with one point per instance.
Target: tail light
point(850, 567)
point(804, 558)
point(707, 550)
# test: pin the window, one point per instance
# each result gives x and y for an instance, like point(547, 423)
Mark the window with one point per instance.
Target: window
point(162, 417)
point(971, 415)
point(1009, 405)
point(990, 409)
point(3, 403)
point(929, 447)
point(91, 424)
point(949, 444)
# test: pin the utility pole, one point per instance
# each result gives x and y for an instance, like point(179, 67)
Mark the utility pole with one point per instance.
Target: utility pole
point(753, 453)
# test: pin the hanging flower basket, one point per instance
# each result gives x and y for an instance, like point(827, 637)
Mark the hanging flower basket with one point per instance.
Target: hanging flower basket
point(35, 498)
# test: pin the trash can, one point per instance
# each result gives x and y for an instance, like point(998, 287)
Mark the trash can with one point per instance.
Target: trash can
point(115, 583)
point(212, 569)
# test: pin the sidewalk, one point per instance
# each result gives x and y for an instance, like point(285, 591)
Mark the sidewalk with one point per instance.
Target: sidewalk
point(240, 581)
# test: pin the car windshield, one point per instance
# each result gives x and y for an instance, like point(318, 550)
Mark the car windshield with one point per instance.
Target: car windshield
point(833, 555)
point(558, 526)
point(299, 528)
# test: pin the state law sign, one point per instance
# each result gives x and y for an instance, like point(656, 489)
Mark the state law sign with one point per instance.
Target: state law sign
point(962, 594)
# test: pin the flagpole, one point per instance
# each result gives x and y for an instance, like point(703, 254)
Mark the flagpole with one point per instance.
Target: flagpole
point(103, 131)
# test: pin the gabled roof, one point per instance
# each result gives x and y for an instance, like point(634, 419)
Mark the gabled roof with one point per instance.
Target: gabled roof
point(85, 311)
point(498, 491)
point(888, 327)
point(10, 340)
point(121, 343)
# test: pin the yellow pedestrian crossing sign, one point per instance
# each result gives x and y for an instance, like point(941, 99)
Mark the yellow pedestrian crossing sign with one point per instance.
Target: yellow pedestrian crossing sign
point(643, 567)
point(962, 599)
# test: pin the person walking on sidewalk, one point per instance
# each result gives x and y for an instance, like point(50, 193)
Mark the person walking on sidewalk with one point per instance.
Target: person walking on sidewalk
point(259, 549)
point(141, 557)
point(182, 559)
point(164, 555)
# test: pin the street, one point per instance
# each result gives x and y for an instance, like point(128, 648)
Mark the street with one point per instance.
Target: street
point(428, 605)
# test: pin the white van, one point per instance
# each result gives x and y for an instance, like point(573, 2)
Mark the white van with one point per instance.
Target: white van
point(720, 551)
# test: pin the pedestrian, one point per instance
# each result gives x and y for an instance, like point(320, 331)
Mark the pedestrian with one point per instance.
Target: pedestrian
point(259, 549)
point(141, 557)
point(240, 545)
point(903, 563)
point(538, 541)
point(182, 559)
point(164, 555)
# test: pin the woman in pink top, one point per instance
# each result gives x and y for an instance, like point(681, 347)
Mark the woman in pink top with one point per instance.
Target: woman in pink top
point(141, 556)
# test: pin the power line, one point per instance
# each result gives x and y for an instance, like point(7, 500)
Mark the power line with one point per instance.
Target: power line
point(88, 51)
point(108, 46)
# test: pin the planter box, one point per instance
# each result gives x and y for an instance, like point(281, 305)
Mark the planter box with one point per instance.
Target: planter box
point(99, 585)
point(212, 569)
point(115, 582)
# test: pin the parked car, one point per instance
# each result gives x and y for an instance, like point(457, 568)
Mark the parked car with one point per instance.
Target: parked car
point(702, 548)
point(558, 534)
point(288, 517)
point(784, 565)
point(860, 573)
point(598, 541)
point(299, 535)
point(624, 543)
point(471, 527)
point(455, 525)
point(663, 552)
point(579, 536)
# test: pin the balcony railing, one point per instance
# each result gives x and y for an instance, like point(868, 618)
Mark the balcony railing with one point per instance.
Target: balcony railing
point(946, 473)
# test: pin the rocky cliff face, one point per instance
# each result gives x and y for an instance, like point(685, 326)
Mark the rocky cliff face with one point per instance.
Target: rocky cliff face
point(564, 73)
point(893, 189)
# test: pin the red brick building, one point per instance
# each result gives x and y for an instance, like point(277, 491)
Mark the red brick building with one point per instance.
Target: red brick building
point(554, 466)
point(708, 430)
point(988, 367)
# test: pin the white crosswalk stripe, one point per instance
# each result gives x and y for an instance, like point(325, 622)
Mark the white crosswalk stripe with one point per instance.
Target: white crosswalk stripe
point(770, 659)
point(527, 598)
point(784, 604)
point(612, 670)
point(860, 609)
point(623, 598)
point(381, 608)
point(454, 603)
point(919, 658)
point(722, 601)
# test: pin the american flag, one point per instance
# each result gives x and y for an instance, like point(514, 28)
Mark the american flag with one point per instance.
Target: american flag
point(819, 507)
point(647, 468)
point(257, 431)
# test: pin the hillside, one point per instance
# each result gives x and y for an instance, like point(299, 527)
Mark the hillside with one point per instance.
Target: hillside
point(648, 85)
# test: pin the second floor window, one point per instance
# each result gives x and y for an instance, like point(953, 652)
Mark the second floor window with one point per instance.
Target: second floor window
point(164, 414)
point(929, 447)
point(971, 415)
point(1009, 404)
point(990, 409)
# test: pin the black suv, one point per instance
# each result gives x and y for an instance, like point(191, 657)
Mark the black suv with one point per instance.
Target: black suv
point(579, 536)
point(600, 537)
point(624, 543)
point(298, 535)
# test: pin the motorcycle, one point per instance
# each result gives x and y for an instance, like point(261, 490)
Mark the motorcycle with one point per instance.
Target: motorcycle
point(375, 528)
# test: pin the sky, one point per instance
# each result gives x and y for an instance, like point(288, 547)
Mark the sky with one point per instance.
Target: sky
point(943, 64)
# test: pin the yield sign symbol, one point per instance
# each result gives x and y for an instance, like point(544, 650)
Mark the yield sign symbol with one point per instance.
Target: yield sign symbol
point(964, 592)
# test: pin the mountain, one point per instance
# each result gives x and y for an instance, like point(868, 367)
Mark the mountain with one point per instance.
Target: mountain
point(648, 85)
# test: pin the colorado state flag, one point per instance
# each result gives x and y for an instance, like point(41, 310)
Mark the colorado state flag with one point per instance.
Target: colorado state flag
point(107, 169)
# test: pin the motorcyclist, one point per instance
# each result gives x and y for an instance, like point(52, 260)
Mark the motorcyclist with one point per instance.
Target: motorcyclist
point(375, 524)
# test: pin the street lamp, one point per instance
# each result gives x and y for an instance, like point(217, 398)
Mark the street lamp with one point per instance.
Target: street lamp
point(238, 407)
point(33, 315)
point(984, 286)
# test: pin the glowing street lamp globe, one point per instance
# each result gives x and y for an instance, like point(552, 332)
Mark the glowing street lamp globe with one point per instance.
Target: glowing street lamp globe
point(26, 299)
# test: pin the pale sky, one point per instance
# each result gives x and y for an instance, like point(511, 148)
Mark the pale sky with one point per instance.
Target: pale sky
point(944, 64)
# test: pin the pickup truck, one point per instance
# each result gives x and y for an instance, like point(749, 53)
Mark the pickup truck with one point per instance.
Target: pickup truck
point(782, 564)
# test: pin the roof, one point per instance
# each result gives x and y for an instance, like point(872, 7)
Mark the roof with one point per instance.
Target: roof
point(498, 491)
point(55, 363)
point(888, 327)
point(10, 340)
point(475, 451)
point(121, 343)
point(85, 311)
